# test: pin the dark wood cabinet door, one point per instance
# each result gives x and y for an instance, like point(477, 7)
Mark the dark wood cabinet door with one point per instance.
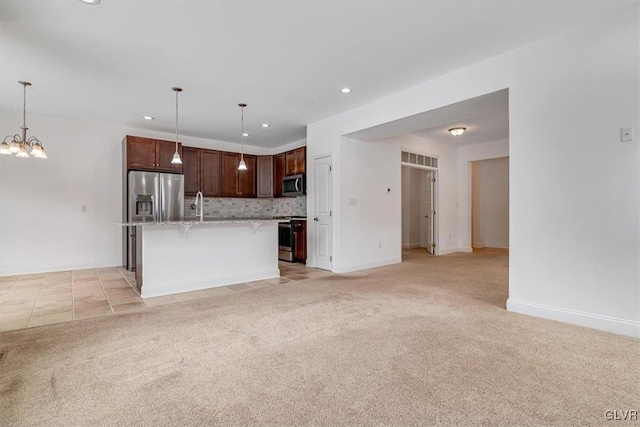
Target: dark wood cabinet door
point(191, 158)
point(230, 174)
point(278, 174)
point(247, 179)
point(301, 159)
point(300, 241)
point(164, 155)
point(211, 173)
point(290, 159)
point(265, 176)
point(141, 153)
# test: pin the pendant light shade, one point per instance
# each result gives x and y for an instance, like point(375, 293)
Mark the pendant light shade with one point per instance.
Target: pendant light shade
point(176, 156)
point(4, 148)
point(242, 166)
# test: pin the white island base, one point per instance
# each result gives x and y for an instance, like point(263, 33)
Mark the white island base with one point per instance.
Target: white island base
point(181, 257)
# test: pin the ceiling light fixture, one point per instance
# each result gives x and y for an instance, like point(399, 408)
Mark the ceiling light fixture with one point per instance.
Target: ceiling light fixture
point(457, 131)
point(242, 166)
point(19, 144)
point(265, 125)
point(346, 90)
point(176, 156)
point(149, 118)
point(93, 2)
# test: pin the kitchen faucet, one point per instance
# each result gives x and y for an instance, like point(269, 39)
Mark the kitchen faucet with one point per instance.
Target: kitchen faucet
point(195, 205)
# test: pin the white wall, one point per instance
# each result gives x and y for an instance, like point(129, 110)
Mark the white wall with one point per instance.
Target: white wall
point(490, 206)
point(569, 96)
point(42, 227)
point(377, 236)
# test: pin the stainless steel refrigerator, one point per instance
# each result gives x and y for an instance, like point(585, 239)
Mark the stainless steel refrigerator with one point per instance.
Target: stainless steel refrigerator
point(151, 197)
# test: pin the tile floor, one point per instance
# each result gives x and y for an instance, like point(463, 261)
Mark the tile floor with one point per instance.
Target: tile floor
point(41, 299)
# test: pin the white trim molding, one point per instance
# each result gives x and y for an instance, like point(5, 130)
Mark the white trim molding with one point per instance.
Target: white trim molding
point(589, 320)
point(58, 268)
point(359, 267)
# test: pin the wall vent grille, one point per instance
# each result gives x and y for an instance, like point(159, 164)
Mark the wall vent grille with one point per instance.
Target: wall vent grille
point(419, 159)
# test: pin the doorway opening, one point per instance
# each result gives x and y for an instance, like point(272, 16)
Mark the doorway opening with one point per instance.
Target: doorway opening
point(490, 206)
point(419, 207)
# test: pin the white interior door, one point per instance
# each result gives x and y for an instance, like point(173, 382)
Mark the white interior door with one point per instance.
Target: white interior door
point(323, 215)
point(430, 216)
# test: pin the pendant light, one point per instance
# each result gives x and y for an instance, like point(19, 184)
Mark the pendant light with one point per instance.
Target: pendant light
point(176, 156)
point(242, 166)
point(20, 144)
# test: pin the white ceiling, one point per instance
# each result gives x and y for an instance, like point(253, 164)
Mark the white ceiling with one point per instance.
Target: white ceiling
point(117, 61)
point(486, 119)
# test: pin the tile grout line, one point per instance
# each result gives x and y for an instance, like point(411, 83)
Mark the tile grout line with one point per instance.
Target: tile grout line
point(36, 304)
point(73, 298)
point(105, 292)
point(10, 289)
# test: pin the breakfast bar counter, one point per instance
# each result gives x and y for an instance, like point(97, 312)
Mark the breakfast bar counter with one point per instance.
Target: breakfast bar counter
point(188, 255)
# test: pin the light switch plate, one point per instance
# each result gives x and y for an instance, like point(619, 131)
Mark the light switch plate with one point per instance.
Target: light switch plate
point(353, 201)
point(626, 134)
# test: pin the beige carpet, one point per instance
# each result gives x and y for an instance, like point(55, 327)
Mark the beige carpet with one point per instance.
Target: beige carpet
point(426, 342)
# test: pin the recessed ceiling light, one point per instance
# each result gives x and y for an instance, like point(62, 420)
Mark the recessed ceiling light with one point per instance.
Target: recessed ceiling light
point(346, 90)
point(94, 2)
point(457, 131)
point(265, 125)
point(245, 134)
point(149, 118)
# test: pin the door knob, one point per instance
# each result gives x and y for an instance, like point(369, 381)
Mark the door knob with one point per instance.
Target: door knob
point(315, 219)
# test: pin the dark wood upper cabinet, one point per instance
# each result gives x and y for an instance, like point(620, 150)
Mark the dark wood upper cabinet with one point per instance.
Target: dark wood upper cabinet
point(300, 240)
point(151, 154)
point(296, 161)
point(141, 153)
point(191, 167)
point(290, 160)
point(165, 151)
point(301, 159)
point(230, 163)
point(265, 176)
point(278, 174)
point(211, 173)
point(247, 179)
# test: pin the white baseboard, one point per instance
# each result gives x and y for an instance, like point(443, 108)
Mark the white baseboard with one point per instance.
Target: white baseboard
point(359, 267)
point(55, 268)
point(174, 288)
point(454, 250)
point(594, 321)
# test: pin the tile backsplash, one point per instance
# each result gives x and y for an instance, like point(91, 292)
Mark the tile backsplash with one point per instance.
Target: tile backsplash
point(225, 207)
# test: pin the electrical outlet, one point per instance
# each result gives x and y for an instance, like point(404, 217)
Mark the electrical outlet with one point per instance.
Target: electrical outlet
point(380, 244)
point(449, 236)
point(83, 208)
point(626, 134)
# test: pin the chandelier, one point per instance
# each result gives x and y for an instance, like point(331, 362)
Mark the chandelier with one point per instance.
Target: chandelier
point(18, 145)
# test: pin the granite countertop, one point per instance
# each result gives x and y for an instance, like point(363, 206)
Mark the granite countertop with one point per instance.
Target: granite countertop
point(194, 221)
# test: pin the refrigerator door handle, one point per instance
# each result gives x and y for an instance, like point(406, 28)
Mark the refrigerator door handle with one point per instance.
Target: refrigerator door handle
point(158, 205)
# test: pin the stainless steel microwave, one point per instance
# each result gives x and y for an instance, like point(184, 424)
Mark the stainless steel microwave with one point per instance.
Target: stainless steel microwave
point(293, 185)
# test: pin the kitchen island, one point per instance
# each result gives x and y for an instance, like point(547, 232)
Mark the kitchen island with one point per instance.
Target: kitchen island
point(189, 255)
